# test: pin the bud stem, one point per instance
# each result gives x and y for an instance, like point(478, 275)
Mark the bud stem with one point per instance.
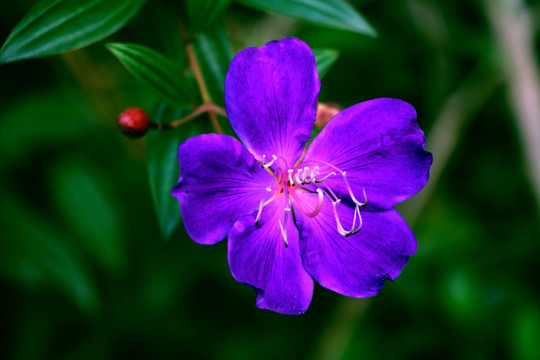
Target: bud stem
point(207, 107)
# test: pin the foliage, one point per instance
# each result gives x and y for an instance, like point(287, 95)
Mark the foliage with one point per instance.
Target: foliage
point(84, 269)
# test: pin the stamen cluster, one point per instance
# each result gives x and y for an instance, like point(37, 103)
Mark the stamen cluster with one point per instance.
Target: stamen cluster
point(296, 180)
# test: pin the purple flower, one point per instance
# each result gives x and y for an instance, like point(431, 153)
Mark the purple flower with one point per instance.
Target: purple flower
point(294, 215)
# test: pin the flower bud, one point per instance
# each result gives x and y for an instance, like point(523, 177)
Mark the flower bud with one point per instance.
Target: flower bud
point(134, 122)
point(325, 113)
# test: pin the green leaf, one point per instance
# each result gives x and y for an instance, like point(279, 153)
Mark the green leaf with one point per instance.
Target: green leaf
point(85, 198)
point(325, 58)
point(157, 72)
point(55, 26)
point(214, 51)
point(163, 169)
point(330, 13)
point(202, 14)
point(35, 253)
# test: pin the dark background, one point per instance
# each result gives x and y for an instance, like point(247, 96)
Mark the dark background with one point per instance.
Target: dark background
point(86, 274)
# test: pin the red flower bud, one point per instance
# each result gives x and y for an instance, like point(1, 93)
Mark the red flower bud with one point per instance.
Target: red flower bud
point(134, 122)
point(325, 113)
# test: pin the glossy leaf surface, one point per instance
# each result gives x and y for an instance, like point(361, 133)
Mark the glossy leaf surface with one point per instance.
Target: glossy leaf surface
point(55, 26)
point(330, 13)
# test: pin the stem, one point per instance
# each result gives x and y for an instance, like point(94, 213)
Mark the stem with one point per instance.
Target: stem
point(192, 59)
point(515, 33)
point(209, 107)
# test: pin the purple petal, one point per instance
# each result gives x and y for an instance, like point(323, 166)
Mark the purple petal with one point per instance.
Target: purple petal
point(380, 146)
point(219, 182)
point(258, 257)
point(271, 98)
point(356, 265)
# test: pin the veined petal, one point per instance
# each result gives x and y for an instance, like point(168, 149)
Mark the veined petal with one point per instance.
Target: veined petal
point(271, 98)
point(258, 257)
point(220, 181)
point(359, 264)
point(380, 146)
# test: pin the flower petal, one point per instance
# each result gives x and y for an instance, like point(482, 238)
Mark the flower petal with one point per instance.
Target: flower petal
point(219, 182)
point(380, 146)
point(258, 257)
point(271, 98)
point(356, 265)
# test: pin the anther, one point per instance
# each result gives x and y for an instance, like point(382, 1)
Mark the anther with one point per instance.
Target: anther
point(297, 177)
point(283, 227)
point(314, 173)
point(284, 234)
point(324, 178)
point(291, 181)
point(340, 228)
point(261, 205)
point(304, 175)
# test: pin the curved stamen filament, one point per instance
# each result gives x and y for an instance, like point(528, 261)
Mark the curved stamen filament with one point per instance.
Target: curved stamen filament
point(331, 194)
point(267, 165)
point(327, 164)
point(340, 228)
point(283, 227)
point(297, 177)
point(304, 181)
point(305, 210)
point(314, 172)
point(291, 181)
point(261, 205)
point(358, 203)
point(324, 178)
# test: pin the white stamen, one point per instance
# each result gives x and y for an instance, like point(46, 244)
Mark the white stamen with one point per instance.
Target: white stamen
point(291, 181)
point(297, 177)
point(312, 175)
point(265, 166)
point(261, 205)
point(358, 203)
point(304, 175)
point(340, 228)
point(318, 208)
point(283, 227)
point(324, 178)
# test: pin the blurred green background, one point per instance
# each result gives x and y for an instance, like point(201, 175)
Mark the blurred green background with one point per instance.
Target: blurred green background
point(86, 274)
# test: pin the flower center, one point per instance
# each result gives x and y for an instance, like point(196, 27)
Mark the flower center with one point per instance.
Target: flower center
point(290, 181)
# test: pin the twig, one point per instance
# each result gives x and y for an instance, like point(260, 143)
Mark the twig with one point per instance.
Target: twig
point(210, 108)
point(194, 64)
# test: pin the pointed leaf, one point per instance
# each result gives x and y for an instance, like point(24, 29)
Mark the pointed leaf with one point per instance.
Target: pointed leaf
point(163, 171)
point(55, 26)
point(330, 13)
point(157, 72)
point(325, 58)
